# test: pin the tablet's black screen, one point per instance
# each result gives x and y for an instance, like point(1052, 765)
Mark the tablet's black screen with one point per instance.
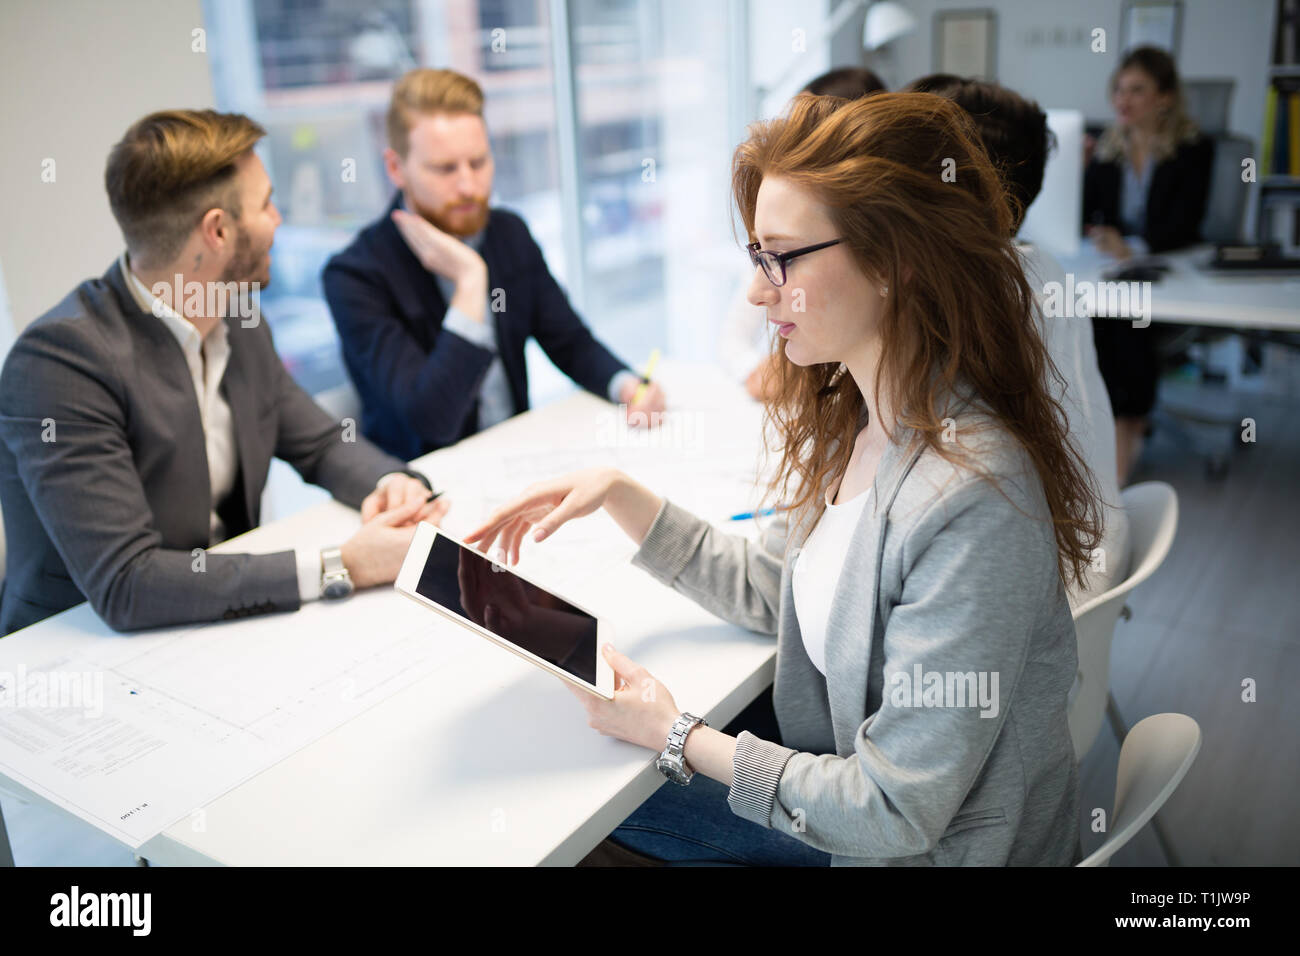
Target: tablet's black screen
point(463, 581)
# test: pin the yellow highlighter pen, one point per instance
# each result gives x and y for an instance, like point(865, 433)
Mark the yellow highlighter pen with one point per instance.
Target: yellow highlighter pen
point(645, 379)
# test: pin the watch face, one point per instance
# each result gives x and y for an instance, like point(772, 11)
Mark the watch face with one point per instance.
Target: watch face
point(671, 769)
point(337, 588)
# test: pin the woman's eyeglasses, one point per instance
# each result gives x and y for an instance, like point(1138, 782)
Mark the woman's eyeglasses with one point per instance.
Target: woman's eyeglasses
point(773, 263)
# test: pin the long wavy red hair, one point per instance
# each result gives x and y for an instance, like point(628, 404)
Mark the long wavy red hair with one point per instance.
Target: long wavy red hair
point(959, 319)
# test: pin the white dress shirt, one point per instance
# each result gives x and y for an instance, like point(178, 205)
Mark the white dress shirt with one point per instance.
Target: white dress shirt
point(1135, 188)
point(207, 358)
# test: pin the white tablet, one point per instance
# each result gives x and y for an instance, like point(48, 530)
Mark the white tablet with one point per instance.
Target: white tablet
point(502, 605)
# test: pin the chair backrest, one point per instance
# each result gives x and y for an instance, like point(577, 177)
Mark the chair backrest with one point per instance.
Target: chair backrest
point(1152, 510)
point(1155, 757)
point(1225, 207)
point(1208, 103)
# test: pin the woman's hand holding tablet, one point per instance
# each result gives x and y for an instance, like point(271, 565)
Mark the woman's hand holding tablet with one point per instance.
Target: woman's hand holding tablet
point(640, 709)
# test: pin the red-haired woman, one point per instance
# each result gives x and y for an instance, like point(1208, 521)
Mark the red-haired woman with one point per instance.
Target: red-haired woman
point(925, 648)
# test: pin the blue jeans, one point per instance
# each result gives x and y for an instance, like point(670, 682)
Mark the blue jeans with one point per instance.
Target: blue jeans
point(695, 826)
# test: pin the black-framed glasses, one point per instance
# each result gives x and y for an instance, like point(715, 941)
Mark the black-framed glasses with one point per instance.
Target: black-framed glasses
point(773, 263)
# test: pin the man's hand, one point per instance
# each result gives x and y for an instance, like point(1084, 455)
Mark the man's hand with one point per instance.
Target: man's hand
point(439, 252)
point(649, 410)
point(397, 491)
point(375, 553)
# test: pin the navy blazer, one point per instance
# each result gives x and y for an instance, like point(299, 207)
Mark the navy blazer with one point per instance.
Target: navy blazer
point(419, 387)
point(1180, 188)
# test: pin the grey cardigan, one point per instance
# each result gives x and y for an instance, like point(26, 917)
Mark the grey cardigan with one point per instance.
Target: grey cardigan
point(948, 574)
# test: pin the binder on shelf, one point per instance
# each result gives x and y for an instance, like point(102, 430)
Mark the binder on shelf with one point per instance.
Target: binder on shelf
point(1266, 140)
point(1293, 117)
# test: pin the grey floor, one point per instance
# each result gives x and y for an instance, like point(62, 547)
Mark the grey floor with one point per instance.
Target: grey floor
point(1224, 607)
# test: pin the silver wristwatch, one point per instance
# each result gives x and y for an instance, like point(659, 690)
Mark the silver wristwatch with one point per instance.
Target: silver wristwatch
point(672, 762)
point(335, 582)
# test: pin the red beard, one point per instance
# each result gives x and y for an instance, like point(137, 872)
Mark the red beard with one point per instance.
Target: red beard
point(457, 223)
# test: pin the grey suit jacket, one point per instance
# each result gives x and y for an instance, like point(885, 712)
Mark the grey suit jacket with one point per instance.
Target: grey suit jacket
point(104, 472)
point(945, 574)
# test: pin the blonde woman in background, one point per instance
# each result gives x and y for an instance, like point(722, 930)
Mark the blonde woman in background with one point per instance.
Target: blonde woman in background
point(1144, 191)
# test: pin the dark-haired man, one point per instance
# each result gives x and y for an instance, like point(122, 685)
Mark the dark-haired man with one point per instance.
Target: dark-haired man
point(138, 416)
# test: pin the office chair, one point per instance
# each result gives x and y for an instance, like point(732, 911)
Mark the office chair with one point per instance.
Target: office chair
point(1152, 510)
point(1225, 208)
point(1208, 101)
point(1155, 757)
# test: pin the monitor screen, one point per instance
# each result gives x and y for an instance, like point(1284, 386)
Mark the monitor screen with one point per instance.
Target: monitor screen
point(1054, 219)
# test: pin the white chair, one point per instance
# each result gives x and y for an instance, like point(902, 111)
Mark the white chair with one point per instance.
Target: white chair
point(1152, 509)
point(1156, 755)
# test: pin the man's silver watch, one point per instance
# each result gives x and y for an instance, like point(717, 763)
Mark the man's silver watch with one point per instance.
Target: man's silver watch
point(335, 582)
point(672, 762)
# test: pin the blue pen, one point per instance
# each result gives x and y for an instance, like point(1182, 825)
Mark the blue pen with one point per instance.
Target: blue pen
point(754, 514)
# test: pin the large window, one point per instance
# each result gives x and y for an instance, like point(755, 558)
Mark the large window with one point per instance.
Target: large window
point(623, 147)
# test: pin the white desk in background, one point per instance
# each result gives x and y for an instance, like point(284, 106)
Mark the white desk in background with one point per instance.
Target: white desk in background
point(1190, 295)
point(489, 760)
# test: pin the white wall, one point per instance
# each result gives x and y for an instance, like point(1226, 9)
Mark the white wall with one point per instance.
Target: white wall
point(787, 49)
point(76, 74)
point(1219, 38)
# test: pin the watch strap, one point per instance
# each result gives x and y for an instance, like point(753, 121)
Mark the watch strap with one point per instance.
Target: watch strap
point(335, 581)
point(672, 762)
point(331, 562)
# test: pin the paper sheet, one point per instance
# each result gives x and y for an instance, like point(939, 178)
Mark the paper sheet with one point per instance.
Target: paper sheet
point(165, 722)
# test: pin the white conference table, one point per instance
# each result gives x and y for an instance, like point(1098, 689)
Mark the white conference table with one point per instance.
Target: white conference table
point(1190, 295)
point(490, 761)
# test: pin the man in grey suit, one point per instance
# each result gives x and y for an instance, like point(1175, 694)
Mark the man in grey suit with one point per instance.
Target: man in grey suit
point(138, 417)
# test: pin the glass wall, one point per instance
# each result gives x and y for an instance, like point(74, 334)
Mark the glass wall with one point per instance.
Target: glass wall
point(634, 230)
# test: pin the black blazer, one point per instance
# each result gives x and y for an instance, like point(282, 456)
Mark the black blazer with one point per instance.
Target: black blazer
point(1180, 187)
point(419, 388)
point(110, 509)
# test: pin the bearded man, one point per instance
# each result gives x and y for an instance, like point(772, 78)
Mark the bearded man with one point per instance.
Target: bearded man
point(435, 300)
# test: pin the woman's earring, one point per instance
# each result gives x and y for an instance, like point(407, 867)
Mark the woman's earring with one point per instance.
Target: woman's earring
point(884, 291)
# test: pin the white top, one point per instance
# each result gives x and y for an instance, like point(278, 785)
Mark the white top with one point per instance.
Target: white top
point(816, 571)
